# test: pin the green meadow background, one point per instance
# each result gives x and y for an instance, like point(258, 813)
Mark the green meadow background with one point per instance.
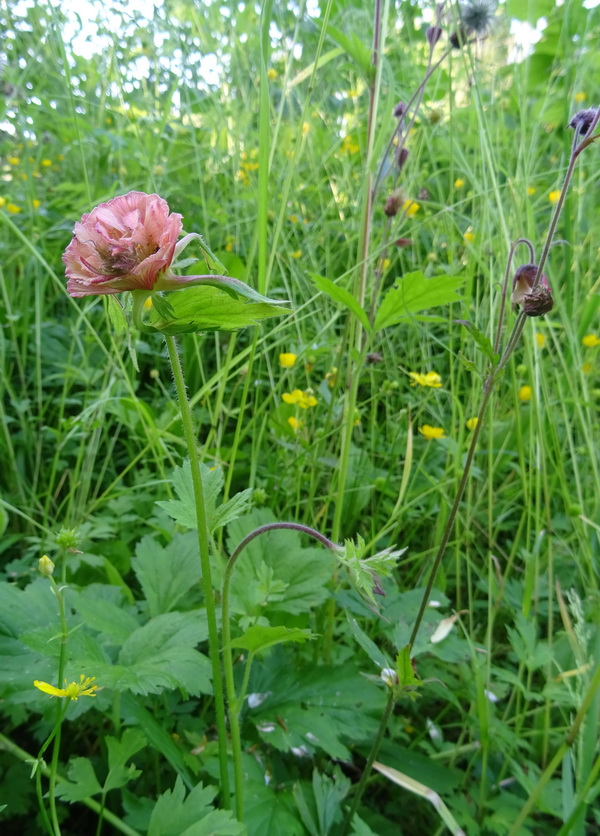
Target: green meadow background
point(252, 123)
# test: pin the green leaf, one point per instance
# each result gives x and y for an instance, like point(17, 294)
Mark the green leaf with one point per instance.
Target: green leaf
point(406, 675)
point(257, 638)
point(482, 342)
point(183, 509)
point(468, 364)
point(119, 752)
point(82, 781)
point(413, 293)
point(101, 608)
point(275, 574)
point(355, 48)
point(176, 815)
point(343, 297)
point(208, 308)
point(367, 644)
point(160, 656)
point(166, 574)
point(321, 709)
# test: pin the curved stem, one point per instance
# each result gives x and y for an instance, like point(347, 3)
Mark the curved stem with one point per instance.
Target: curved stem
point(213, 634)
point(369, 764)
point(528, 244)
point(235, 704)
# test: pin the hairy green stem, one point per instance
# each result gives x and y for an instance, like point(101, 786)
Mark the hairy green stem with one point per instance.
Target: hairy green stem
point(60, 708)
point(213, 633)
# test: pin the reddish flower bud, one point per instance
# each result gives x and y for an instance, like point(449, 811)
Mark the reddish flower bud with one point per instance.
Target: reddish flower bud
point(399, 110)
point(536, 302)
point(403, 242)
point(583, 120)
point(393, 203)
point(402, 157)
point(434, 33)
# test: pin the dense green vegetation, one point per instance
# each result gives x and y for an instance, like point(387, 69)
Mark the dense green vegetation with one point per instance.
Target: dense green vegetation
point(352, 412)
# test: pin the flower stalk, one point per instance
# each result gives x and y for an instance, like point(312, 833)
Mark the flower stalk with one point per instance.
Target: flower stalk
point(203, 544)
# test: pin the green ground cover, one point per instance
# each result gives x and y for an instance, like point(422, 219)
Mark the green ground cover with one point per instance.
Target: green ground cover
point(357, 411)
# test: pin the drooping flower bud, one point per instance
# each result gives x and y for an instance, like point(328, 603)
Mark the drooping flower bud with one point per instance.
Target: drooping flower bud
point(402, 157)
point(399, 110)
point(582, 120)
point(393, 203)
point(434, 33)
point(536, 302)
point(459, 37)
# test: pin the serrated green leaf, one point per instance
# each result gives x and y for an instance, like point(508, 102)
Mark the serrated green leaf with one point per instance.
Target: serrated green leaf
point(343, 297)
point(413, 293)
point(162, 306)
point(367, 644)
point(208, 308)
point(175, 814)
point(404, 669)
point(82, 781)
point(119, 752)
point(183, 509)
point(166, 574)
point(468, 364)
point(482, 343)
point(257, 638)
point(160, 656)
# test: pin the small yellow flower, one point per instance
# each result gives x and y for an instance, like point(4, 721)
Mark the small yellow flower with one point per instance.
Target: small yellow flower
point(296, 254)
point(13, 160)
point(525, 393)
point(299, 398)
point(228, 247)
point(331, 377)
point(36, 203)
point(272, 74)
point(411, 207)
point(531, 190)
point(580, 97)
point(540, 340)
point(431, 379)
point(243, 177)
point(431, 432)
point(554, 196)
point(287, 360)
point(294, 219)
point(587, 368)
point(46, 163)
point(250, 166)
point(13, 209)
point(386, 264)
point(469, 237)
point(295, 424)
point(472, 423)
point(305, 128)
point(459, 183)
point(72, 691)
point(349, 146)
point(590, 341)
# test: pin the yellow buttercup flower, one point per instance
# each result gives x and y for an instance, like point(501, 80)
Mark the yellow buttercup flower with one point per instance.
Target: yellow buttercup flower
point(432, 432)
point(305, 128)
point(72, 691)
point(46, 163)
point(299, 398)
point(349, 146)
point(331, 377)
point(272, 74)
point(472, 423)
point(590, 341)
point(431, 379)
point(580, 97)
point(459, 183)
point(295, 424)
point(296, 254)
point(13, 208)
point(540, 340)
point(469, 237)
point(531, 190)
point(525, 393)
point(13, 160)
point(287, 360)
point(554, 196)
point(36, 203)
point(411, 207)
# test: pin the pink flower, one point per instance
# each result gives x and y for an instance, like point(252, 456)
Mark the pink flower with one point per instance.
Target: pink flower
point(128, 243)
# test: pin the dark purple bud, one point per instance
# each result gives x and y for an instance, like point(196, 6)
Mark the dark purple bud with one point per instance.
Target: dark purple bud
point(402, 157)
point(582, 121)
point(373, 358)
point(523, 282)
point(399, 110)
point(434, 33)
point(393, 203)
point(459, 38)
